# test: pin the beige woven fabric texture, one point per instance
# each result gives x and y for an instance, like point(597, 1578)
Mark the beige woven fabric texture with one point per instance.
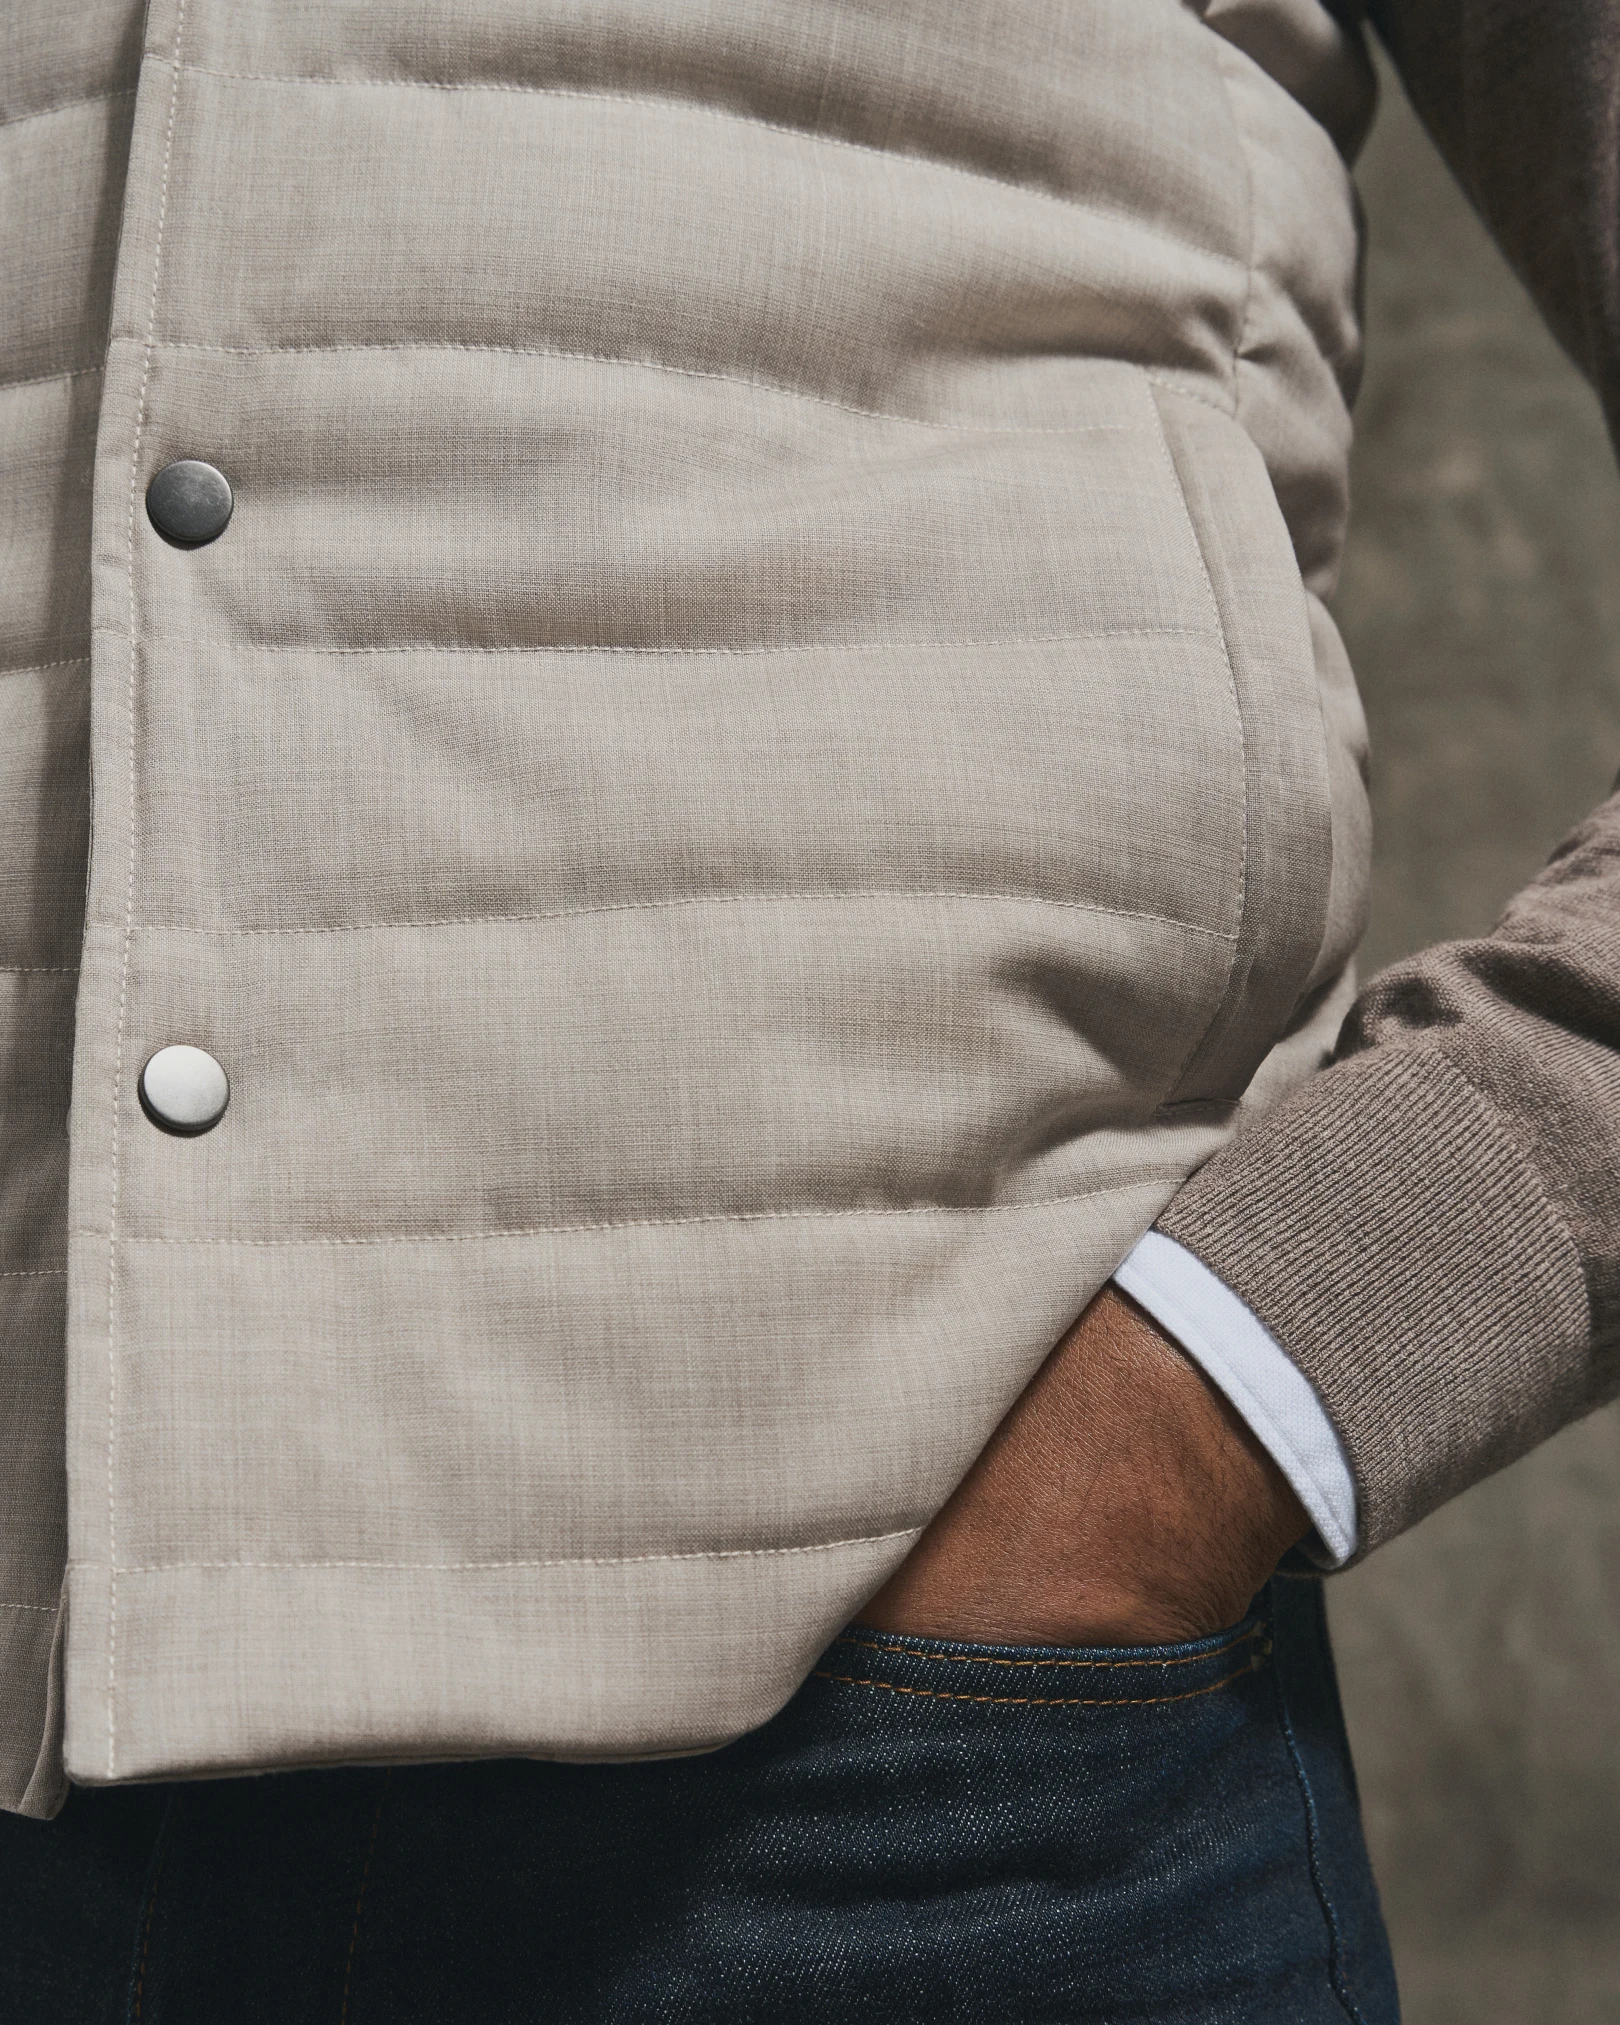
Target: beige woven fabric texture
point(65, 112)
point(757, 769)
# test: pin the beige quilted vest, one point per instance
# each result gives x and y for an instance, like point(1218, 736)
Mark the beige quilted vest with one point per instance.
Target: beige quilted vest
point(753, 776)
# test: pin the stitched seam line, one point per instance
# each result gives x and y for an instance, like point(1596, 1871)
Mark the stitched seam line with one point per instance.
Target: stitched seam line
point(563, 352)
point(45, 379)
point(680, 648)
point(942, 1209)
point(643, 102)
point(32, 1272)
point(1175, 388)
point(160, 1850)
point(766, 898)
point(42, 969)
point(1042, 1701)
point(44, 112)
point(360, 1898)
point(1240, 340)
point(129, 919)
point(1086, 1665)
point(1330, 1920)
point(39, 1609)
point(42, 667)
point(556, 1561)
point(1194, 537)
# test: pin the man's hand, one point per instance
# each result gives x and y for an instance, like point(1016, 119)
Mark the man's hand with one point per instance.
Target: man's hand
point(1121, 1502)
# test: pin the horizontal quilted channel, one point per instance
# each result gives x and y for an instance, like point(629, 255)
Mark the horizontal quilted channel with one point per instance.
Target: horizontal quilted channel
point(738, 801)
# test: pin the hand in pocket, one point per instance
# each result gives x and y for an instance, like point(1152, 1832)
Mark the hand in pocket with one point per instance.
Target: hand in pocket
point(1121, 1502)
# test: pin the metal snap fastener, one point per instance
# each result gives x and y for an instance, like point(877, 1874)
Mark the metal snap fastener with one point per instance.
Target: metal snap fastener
point(184, 1090)
point(189, 503)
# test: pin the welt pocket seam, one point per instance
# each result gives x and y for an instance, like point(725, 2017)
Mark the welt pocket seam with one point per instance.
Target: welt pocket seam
point(1258, 1631)
point(1252, 1665)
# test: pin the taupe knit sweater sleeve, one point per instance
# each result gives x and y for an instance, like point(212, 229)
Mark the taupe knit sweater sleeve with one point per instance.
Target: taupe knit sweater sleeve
point(1431, 1228)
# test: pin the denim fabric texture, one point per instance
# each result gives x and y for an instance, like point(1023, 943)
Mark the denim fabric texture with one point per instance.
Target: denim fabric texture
point(928, 1832)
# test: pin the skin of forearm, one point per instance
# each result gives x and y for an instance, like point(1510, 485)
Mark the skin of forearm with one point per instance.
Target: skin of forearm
point(1120, 1502)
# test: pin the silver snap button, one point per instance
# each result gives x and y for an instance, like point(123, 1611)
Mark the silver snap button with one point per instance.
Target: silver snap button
point(189, 503)
point(184, 1090)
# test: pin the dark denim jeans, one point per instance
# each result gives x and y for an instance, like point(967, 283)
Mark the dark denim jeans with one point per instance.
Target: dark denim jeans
point(928, 1832)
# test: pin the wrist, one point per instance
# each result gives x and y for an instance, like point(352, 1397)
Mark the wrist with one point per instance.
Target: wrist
point(1121, 1501)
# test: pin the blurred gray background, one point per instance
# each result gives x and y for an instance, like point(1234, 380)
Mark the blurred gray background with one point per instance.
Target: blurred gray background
point(1480, 1655)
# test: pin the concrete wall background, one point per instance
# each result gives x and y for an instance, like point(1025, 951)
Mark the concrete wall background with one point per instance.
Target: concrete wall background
point(1480, 1655)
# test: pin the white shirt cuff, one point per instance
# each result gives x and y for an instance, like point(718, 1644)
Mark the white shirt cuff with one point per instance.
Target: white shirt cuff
point(1240, 1355)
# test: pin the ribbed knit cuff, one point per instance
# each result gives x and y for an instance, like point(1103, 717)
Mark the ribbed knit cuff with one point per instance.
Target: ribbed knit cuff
point(1393, 1239)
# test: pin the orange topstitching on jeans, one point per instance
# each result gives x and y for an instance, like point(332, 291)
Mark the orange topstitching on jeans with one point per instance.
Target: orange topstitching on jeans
point(1046, 1701)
